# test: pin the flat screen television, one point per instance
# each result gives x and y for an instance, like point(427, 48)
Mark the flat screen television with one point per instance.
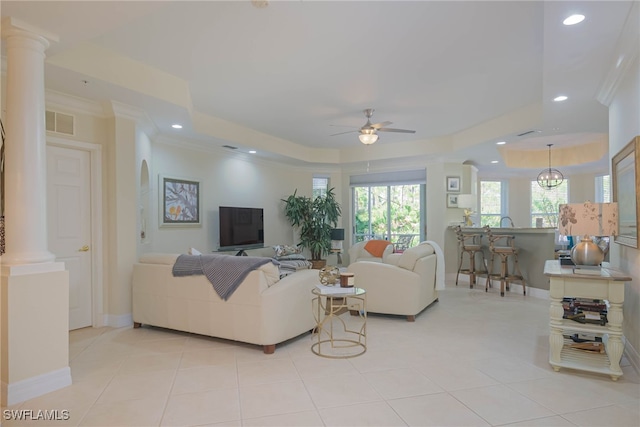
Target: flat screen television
point(241, 228)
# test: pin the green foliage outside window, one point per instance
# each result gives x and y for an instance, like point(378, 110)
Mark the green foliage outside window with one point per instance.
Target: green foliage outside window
point(385, 212)
point(545, 203)
point(490, 203)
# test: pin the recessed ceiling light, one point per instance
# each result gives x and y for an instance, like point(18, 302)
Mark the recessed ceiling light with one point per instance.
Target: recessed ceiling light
point(494, 161)
point(501, 142)
point(573, 19)
point(252, 151)
point(176, 126)
point(560, 98)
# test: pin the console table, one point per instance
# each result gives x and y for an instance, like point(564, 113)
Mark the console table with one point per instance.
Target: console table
point(608, 285)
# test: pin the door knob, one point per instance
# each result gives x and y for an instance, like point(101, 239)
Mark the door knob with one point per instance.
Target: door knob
point(85, 248)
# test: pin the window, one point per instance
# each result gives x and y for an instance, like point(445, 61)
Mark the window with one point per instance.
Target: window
point(389, 206)
point(389, 212)
point(492, 202)
point(603, 189)
point(320, 187)
point(545, 203)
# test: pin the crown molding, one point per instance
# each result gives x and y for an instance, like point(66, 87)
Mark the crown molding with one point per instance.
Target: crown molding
point(211, 148)
point(73, 104)
point(124, 111)
point(626, 53)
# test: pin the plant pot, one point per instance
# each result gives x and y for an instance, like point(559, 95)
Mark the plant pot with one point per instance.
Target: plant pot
point(318, 264)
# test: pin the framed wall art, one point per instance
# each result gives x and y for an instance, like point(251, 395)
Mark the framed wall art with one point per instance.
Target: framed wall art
point(626, 181)
point(452, 200)
point(453, 184)
point(179, 202)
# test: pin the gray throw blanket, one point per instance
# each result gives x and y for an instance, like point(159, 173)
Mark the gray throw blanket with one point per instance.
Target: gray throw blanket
point(225, 272)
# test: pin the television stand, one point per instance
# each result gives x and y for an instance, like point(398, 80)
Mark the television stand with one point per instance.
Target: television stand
point(241, 252)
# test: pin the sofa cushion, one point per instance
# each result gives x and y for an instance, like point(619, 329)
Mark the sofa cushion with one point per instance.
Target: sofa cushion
point(159, 258)
point(271, 273)
point(409, 257)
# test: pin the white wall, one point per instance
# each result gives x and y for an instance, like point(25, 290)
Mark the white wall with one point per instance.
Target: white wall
point(623, 126)
point(231, 179)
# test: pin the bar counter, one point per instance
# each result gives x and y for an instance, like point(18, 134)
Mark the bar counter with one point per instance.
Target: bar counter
point(535, 246)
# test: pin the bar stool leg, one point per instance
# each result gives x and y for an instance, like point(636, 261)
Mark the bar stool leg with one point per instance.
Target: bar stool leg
point(489, 273)
point(503, 274)
point(472, 269)
point(459, 266)
point(518, 273)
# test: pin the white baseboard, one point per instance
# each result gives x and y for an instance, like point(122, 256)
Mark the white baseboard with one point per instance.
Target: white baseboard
point(35, 386)
point(118, 320)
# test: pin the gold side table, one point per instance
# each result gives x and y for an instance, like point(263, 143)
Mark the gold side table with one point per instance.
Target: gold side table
point(337, 338)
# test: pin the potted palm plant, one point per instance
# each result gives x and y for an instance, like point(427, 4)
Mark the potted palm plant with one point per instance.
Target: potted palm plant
point(315, 219)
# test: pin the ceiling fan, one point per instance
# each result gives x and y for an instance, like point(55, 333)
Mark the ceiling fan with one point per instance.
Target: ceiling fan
point(368, 132)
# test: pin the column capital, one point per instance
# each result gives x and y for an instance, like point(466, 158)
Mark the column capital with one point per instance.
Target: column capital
point(15, 27)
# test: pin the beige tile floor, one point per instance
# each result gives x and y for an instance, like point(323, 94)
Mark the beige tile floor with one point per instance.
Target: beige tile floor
point(471, 359)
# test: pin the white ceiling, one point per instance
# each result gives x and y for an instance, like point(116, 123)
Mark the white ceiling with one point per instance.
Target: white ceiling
point(282, 79)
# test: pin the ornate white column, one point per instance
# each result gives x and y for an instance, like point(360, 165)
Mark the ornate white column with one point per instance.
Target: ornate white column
point(34, 353)
point(25, 151)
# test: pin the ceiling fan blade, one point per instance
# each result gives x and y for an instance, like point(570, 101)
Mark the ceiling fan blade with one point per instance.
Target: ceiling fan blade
point(396, 130)
point(344, 126)
point(342, 133)
point(380, 125)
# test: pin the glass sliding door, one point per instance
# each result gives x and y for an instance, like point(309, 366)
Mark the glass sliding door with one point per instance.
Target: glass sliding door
point(389, 212)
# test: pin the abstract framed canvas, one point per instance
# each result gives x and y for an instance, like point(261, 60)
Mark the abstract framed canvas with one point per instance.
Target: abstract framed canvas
point(179, 202)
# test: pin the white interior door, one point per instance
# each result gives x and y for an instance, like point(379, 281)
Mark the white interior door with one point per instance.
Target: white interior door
point(69, 225)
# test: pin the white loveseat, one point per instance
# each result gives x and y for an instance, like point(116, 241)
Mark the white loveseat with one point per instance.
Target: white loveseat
point(264, 310)
point(403, 284)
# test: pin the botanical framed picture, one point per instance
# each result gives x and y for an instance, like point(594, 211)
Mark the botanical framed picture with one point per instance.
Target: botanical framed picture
point(179, 202)
point(453, 184)
point(625, 180)
point(452, 200)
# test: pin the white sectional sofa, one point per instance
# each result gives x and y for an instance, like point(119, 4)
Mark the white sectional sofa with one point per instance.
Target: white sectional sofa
point(264, 310)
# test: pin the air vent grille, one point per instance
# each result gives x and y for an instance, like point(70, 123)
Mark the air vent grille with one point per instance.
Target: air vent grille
point(59, 122)
point(526, 133)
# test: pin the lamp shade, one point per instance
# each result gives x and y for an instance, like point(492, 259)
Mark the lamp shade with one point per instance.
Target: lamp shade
point(592, 219)
point(337, 234)
point(467, 201)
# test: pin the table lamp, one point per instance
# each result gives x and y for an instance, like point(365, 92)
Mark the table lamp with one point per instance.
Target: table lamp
point(468, 203)
point(588, 220)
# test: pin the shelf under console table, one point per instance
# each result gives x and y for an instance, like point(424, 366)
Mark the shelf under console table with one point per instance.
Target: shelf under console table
point(608, 285)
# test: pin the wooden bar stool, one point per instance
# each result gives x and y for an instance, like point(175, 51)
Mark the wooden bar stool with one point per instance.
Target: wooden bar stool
point(470, 244)
point(503, 246)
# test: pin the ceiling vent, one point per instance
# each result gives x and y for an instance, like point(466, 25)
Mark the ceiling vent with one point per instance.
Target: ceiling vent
point(59, 122)
point(527, 132)
point(230, 147)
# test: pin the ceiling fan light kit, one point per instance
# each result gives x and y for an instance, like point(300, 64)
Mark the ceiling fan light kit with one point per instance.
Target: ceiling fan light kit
point(368, 138)
point(368, 132)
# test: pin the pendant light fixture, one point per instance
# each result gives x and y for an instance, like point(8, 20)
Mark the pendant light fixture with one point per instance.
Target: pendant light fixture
point(550, 178)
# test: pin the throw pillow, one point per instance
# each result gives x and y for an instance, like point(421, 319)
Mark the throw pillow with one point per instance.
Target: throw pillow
point(376, 247)
point(194, 251)
point(282, 250)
